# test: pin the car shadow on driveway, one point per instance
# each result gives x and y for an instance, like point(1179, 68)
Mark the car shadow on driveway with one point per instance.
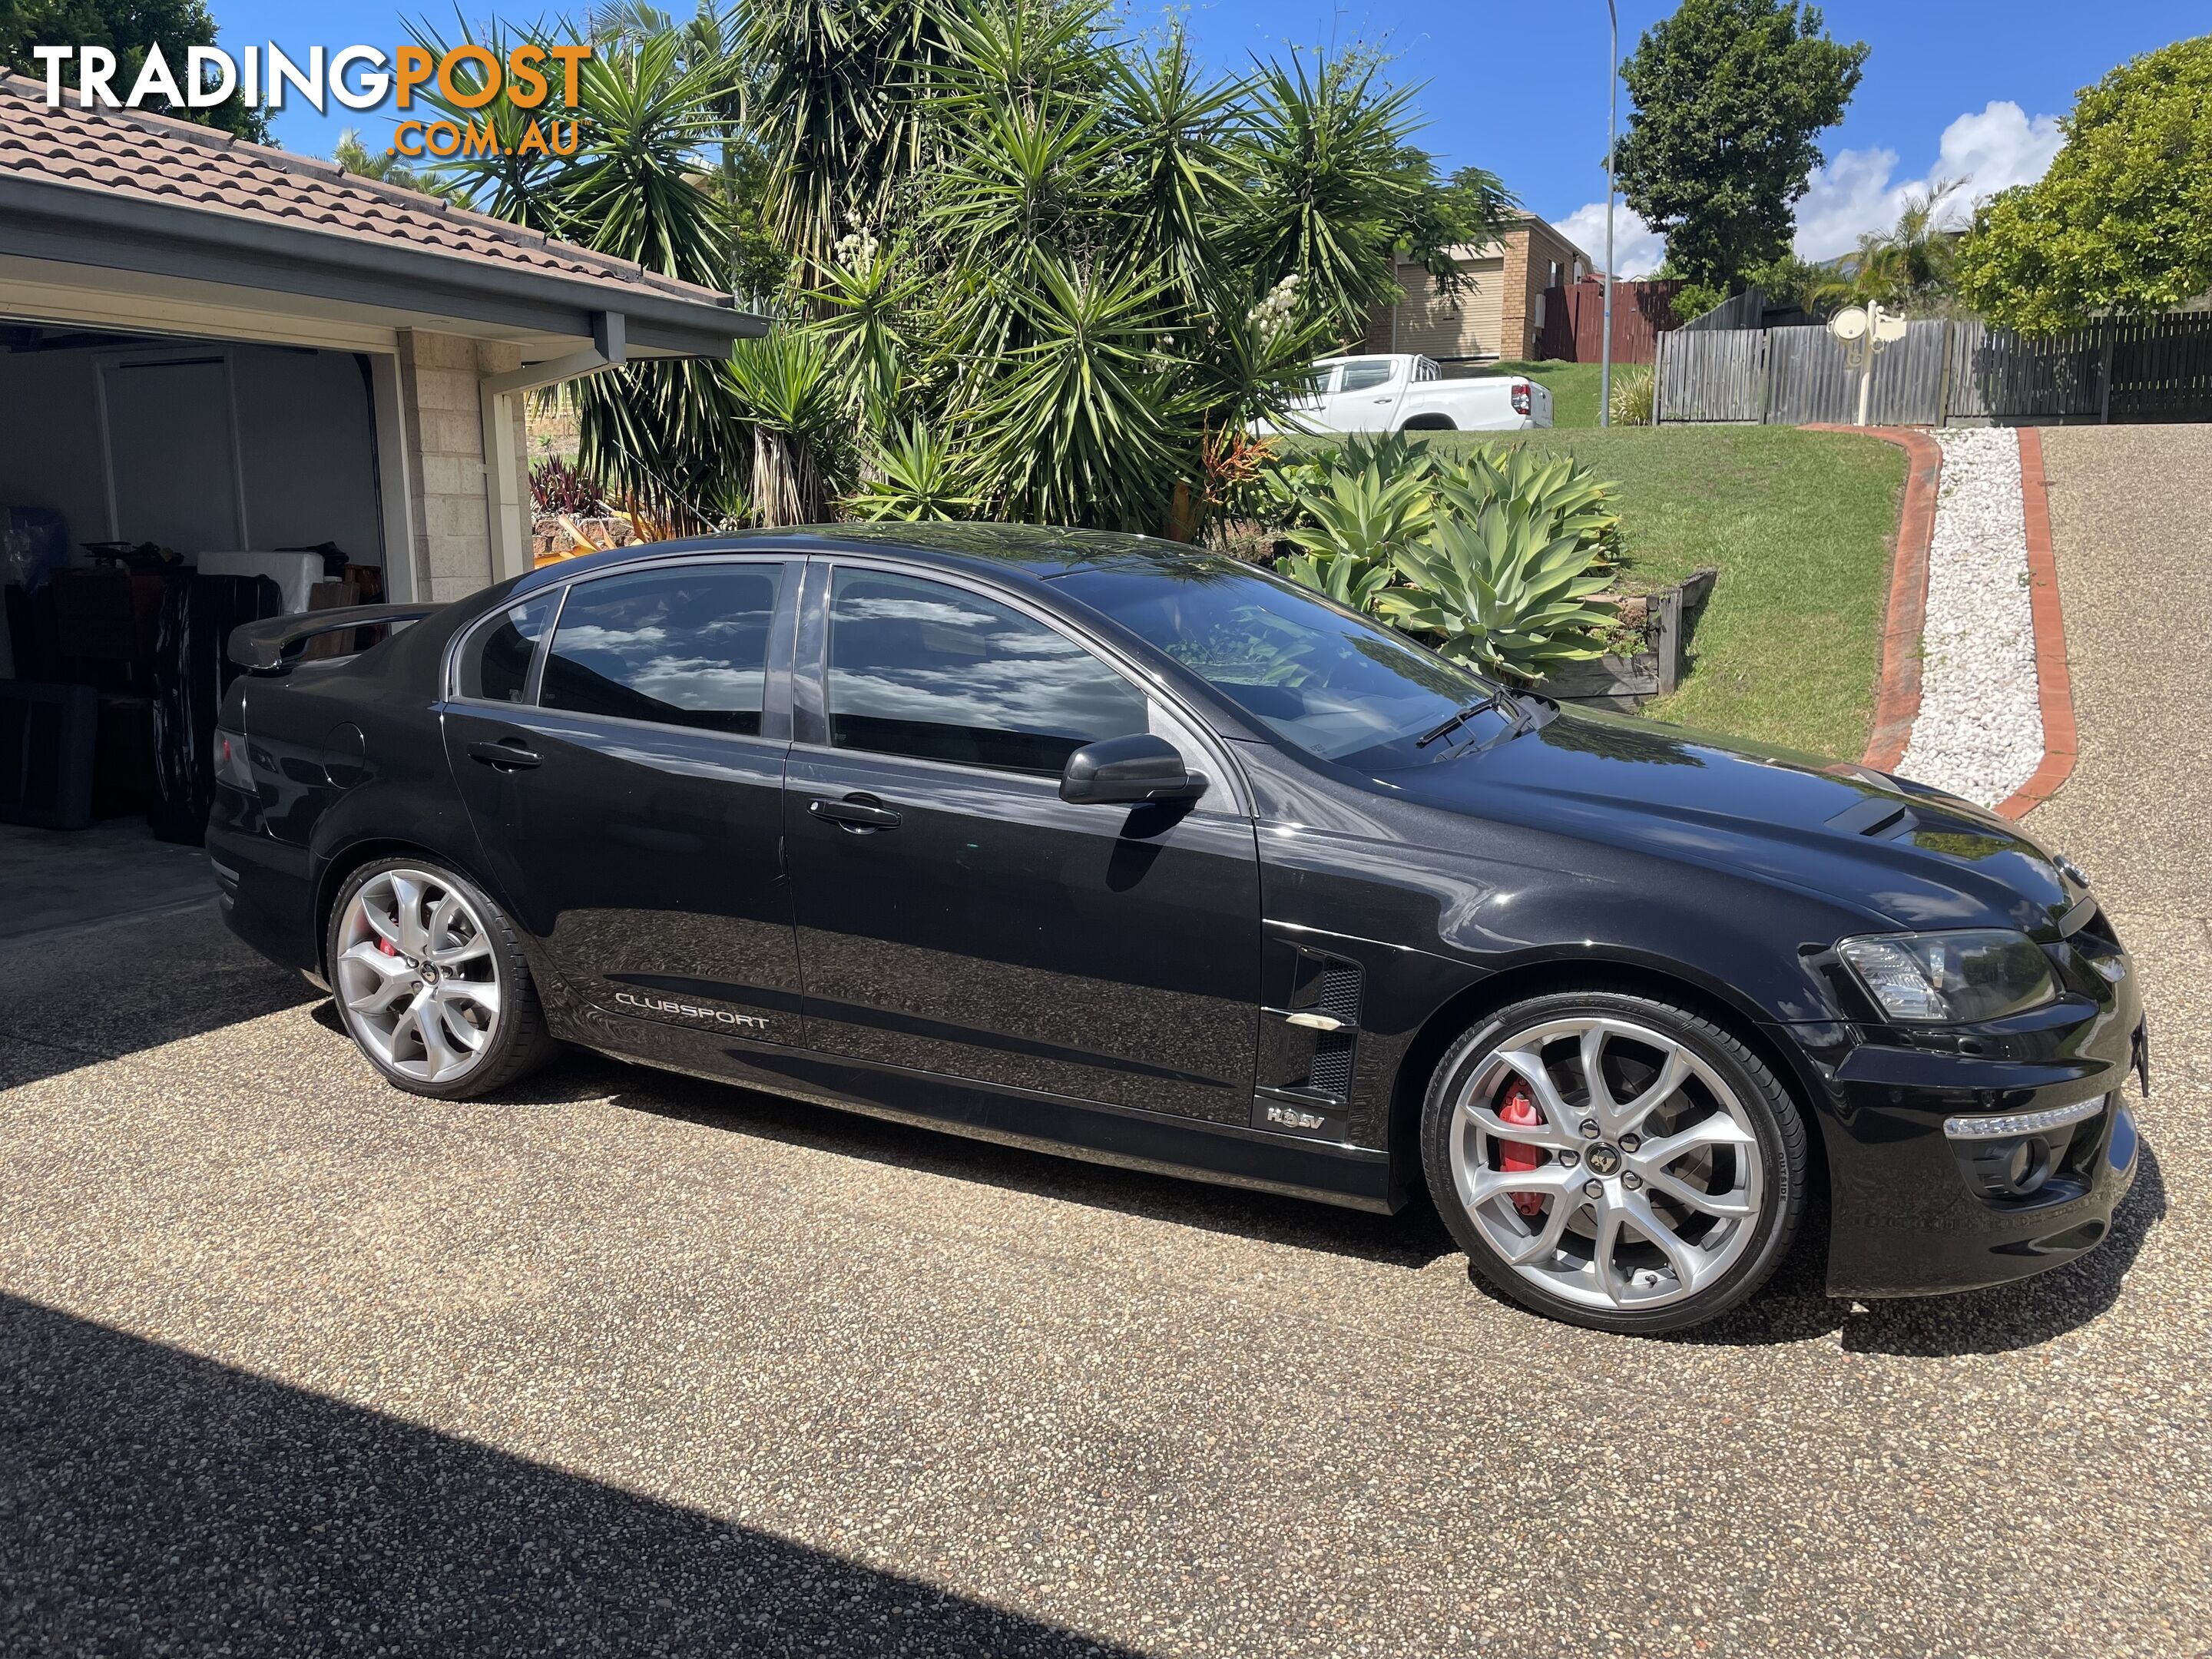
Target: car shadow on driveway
point(1793, 1307)
point(1412, 1240)
point(151, 1501)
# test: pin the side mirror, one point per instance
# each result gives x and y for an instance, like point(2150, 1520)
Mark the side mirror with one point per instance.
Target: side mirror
point(1129, 771)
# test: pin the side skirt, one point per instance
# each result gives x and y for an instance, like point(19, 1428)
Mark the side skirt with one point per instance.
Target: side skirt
point(1157, 1143)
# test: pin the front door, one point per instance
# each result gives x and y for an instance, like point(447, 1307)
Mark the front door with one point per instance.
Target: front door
point(955, 915)
point(628, 798)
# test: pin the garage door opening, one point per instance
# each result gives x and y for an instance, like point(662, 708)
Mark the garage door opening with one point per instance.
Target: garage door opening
point(154, 491)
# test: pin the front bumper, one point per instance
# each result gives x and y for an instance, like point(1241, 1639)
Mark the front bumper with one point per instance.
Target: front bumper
point(1917, 1211)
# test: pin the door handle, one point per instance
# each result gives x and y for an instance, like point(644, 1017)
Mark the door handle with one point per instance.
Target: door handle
point(507, 754)
point(857, 813)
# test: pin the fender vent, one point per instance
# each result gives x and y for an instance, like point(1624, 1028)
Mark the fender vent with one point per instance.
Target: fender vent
point(1331, 1065)
point(1339, 993)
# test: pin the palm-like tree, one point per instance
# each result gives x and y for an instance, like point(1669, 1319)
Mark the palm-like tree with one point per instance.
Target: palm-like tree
point(1911, 265)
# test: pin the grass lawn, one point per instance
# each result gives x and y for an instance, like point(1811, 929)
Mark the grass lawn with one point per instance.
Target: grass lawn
point(1573, 387)
point(1798, 523)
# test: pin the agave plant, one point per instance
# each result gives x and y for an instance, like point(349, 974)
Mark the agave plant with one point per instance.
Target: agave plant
point(1357, 524)
point(922, 479)
point(1557, 494)
point(1497, 595)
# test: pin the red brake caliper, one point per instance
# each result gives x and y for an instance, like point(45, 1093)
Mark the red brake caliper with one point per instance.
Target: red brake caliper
point(385, 945)
point(1519, 1108)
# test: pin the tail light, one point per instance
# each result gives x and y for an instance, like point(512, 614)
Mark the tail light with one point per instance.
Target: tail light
point(232, 765)
point(1520, 397)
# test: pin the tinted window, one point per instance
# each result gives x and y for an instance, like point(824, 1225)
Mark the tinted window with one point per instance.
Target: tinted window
point(1364, 372)
point(919, 668)
point(686, 647)
point(1335, 685)
point(496, 663)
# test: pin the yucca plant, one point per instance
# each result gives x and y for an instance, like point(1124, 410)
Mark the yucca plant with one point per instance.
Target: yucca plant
point(1075, 427)
point(1327, 187)
point(1498, 595)
point(920, 479)
point(791, 401)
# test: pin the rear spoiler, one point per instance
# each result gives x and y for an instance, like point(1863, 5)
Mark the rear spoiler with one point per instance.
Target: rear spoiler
point(271, 645)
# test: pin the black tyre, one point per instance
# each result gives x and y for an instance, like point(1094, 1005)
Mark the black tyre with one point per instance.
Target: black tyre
point(431, 982)
point(1662, 1196)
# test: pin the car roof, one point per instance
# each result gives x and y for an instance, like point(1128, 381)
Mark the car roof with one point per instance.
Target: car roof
point(1038, 551)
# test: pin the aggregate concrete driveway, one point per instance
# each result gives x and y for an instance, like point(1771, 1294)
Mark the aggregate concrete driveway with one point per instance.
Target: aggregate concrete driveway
point(291, 1363)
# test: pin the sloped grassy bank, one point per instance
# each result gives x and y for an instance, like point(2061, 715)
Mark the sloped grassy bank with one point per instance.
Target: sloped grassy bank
point(1799, 525)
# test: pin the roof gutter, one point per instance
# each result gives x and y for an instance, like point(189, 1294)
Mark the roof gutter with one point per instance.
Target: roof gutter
point(80, 224)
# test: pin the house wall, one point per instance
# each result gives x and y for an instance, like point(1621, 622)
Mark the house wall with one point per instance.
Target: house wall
point(1535, 257)
point(1499, 316)
point(305, 445)
point(441, 410)
point(1444, 326)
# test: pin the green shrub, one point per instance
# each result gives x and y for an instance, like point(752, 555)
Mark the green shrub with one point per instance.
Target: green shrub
point(1493, 594)
point(1633, 388)
point(1487, 556)
point(922, 479)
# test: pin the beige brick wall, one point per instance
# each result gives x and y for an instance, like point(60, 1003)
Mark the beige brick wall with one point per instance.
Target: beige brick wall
point(440, 406)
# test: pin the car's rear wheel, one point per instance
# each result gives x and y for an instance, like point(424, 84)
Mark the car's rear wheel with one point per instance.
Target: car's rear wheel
point(431, 982)
point(1614, 1161)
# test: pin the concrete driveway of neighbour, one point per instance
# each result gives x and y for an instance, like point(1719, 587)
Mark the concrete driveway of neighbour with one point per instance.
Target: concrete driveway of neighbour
point(290, 1362)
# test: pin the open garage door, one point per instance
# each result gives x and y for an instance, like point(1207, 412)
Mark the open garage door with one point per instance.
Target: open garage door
point(154, 490)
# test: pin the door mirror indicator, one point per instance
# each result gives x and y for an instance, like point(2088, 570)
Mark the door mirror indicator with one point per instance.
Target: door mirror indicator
point(1127, 771)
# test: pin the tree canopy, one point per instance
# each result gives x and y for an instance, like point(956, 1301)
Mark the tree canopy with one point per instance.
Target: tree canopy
point(127, 27)
point(1730, 97)
point(2123, 221)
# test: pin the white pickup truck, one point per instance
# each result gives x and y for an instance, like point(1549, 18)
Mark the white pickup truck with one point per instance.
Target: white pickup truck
point(1402, 392)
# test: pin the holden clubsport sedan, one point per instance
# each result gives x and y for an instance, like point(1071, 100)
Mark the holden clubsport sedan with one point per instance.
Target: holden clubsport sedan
point(1103, 845)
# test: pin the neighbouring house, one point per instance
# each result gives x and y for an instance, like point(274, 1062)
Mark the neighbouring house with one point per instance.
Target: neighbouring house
point(1500, 311)
point(238, 355)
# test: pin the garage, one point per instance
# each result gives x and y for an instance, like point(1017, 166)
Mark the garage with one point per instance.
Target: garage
point(236, 383)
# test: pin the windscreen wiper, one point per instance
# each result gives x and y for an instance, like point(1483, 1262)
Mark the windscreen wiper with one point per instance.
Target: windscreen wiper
point(1496, 700)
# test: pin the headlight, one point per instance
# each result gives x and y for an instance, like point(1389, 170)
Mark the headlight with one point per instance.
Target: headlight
point(1983, 973)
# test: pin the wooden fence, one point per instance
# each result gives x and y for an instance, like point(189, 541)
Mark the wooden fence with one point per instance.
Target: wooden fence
point(2150, 369)
point(1574, 320)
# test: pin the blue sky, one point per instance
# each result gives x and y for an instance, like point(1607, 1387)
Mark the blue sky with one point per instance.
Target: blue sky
point(1951, 88)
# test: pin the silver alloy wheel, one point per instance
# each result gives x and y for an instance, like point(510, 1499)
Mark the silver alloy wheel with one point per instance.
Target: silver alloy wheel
point(1650, 1172)
point(417, 975)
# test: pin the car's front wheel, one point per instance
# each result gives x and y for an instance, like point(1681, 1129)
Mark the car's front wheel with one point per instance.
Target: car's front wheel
point(431, 982)
point(1614, 1161)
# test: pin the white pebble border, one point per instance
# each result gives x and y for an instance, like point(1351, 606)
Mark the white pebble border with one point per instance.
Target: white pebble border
point(1979, 732)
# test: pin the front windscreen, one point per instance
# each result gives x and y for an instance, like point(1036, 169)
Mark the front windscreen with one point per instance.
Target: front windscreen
point(1338, 686)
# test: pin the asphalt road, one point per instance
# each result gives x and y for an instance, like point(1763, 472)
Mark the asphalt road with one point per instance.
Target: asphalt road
point(292, 1362)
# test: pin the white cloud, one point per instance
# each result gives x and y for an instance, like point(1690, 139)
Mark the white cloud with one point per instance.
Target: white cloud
point(1855, 193)
point(1636, 248)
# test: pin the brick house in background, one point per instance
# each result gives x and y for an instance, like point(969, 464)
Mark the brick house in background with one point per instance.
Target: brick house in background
point(1499, 314)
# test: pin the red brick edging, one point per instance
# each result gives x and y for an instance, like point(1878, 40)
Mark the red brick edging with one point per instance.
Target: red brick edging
point(2054, 686)
point(1897, 698)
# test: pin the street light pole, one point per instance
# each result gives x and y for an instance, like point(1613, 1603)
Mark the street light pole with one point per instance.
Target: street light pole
point(1612, 90)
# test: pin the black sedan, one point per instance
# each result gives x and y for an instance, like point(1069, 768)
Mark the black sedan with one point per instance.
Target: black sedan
point(1096, 844)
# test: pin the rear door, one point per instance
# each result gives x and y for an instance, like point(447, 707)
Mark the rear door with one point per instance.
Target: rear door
point(622, 763)
point(955, 915)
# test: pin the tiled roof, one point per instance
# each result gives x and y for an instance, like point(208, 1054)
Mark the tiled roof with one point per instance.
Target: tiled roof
point(159, 158)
